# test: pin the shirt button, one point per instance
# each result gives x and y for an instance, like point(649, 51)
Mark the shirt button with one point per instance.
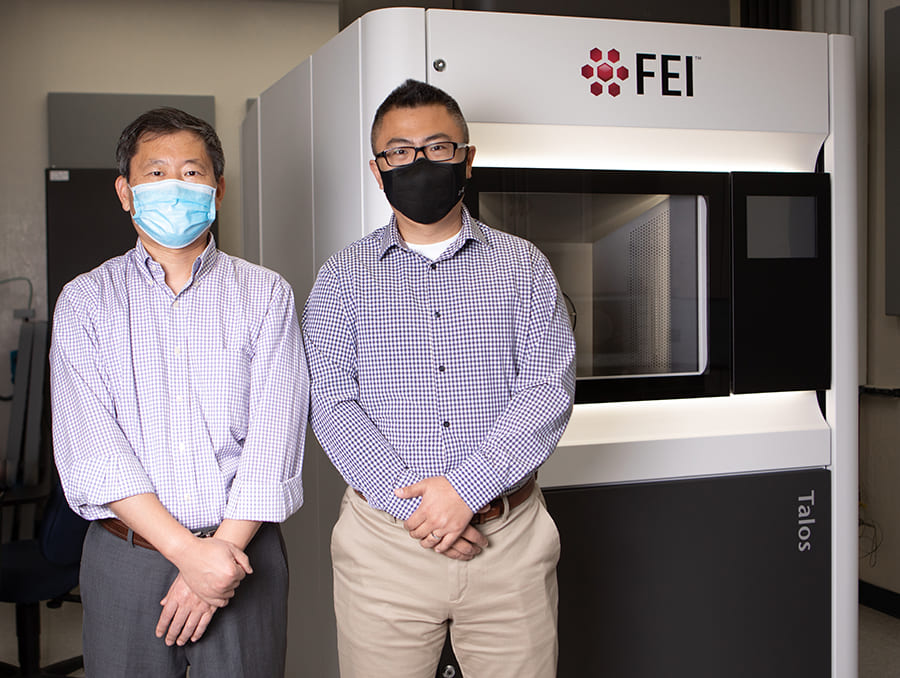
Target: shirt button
point(446, 424)
point(437, 314)
point(441, 368)
point(178, 398)
point(433, 266)
point(177, 350)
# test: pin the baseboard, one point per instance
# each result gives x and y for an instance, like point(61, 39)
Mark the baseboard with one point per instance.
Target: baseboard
point(880, 599)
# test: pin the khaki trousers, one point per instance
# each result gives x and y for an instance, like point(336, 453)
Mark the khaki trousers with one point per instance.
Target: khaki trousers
point(394, 599)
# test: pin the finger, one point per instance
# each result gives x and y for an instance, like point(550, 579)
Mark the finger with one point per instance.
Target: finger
point(430, 541)
point(177, 624)
point(473, 534)
point(465, 547)
point(454, 553)
point(165, 617)
point(190, 626)
point(424, 532)
point(215, 602)
point(243, 560)
point(414, 490)
point(446, 541)
point(201, 627)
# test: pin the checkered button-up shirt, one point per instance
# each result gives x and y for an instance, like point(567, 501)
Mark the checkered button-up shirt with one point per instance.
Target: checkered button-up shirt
point(462, 367)
point(199, 397)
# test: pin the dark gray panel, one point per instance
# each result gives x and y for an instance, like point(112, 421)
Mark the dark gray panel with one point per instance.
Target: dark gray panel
point(892, 161)
point(701, 578)
point(83, 128)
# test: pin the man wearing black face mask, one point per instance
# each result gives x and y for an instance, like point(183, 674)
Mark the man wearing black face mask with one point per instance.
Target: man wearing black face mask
point(442, 376)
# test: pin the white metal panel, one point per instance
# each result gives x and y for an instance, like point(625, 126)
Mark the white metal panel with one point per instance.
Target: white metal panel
point(392, 49)
point(653, 440)
point(842, 400)
point(638, 148)
point(520, 68)
point(337, 152)
point(285, 180)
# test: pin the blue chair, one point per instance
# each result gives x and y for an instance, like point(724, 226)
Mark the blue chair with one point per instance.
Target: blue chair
point(42, 569)
point(40, 549)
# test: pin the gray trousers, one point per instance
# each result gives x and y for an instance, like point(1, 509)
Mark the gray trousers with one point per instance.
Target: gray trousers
point(121, 586)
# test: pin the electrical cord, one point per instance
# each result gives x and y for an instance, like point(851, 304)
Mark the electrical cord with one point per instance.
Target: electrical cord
point(23, 279)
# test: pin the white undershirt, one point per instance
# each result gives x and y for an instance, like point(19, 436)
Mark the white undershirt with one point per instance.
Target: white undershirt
point(433, 250)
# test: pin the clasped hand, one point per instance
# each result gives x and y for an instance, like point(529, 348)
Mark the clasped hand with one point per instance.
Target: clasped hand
point(209, 571)
point(443, 520)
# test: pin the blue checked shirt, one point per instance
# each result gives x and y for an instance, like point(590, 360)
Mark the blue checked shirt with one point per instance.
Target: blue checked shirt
point(200, 397)
point(463, 367)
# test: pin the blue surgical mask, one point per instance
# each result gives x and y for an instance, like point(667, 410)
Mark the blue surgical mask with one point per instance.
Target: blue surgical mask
point(172, 212)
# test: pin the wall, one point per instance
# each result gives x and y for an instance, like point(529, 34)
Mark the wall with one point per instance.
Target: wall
point(879, 416)
point(231, 49)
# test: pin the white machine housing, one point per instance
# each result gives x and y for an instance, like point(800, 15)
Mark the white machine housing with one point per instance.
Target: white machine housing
point(691, 98)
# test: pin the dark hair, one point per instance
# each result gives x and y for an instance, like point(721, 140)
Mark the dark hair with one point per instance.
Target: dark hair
point(162, 121)
point(412, 94)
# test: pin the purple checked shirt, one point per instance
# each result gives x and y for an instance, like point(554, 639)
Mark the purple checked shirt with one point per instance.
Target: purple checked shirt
point(200, 397)
point(462, 367)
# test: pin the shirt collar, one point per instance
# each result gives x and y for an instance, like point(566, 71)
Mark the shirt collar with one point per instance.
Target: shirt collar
point(471, 230)
point(154, 273)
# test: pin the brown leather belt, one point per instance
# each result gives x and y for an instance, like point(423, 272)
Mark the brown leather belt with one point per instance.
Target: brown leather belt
point(120, 529)
point(497, 507)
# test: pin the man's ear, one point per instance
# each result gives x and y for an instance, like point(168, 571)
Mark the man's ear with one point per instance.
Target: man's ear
point(124, 193)
point(470, 158)
point(373, 165)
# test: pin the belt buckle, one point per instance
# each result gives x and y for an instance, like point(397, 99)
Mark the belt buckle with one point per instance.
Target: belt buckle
point(205, 532)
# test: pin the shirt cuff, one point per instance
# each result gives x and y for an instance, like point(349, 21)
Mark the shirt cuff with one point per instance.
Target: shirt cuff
point(264, 502)
point(475, 480)
point(102, 481)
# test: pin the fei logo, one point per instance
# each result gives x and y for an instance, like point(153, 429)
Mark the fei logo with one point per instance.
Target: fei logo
point(675, 73)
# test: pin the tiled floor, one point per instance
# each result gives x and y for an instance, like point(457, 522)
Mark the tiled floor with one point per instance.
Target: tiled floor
point(879, 639)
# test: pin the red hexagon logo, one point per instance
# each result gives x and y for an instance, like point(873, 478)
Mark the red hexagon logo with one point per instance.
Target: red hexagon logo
point(605, 72)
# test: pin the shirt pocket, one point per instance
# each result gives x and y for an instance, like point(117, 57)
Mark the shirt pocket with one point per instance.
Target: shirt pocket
point(223, 393)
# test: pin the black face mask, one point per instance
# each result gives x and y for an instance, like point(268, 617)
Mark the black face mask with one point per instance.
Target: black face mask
point(425, 191)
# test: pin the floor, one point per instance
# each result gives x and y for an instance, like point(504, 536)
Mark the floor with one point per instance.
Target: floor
point(879, 639)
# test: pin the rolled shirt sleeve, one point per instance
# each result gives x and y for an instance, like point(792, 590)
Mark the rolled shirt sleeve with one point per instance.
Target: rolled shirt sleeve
point(96, 463)
point(268, 484)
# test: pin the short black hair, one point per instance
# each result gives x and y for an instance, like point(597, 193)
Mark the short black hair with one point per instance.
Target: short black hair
point(162, 121)
point(412, 94)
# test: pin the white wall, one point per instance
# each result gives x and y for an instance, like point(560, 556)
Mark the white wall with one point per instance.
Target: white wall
point(231, 49)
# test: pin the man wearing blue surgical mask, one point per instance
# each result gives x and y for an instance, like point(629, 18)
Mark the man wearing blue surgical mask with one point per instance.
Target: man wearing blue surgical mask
point(179, 395)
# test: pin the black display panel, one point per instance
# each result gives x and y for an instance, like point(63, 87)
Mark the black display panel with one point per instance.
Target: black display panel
point(643, 260)
point(781, 296)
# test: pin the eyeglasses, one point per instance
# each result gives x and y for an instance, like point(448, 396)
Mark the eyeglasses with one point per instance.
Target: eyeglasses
point(439, 151)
